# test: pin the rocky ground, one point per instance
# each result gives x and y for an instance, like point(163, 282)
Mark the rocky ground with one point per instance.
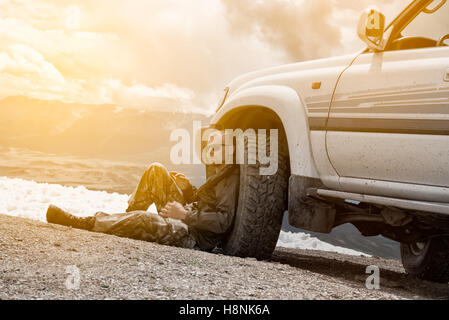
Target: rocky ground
point(41, 261)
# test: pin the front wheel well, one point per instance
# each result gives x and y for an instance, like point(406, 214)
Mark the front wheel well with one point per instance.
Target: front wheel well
point(256, 117)
point(251, 117)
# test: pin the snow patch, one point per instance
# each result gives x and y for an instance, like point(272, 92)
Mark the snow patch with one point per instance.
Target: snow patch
point(29, 199)
point(305, 241)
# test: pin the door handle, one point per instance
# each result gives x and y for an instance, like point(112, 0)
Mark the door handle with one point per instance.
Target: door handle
point(446, 75)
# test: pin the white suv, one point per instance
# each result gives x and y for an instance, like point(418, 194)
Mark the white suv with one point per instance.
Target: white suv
point(364, 139)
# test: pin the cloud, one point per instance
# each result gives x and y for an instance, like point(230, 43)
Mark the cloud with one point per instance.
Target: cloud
point(167, 97)
point(24, 71)
point(166, 91)
point(161, 54)
point(23, 61)
point(302, 29)
point(156, 44)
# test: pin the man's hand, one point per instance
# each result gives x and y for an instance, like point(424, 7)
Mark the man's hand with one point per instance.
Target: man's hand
point(173, 210)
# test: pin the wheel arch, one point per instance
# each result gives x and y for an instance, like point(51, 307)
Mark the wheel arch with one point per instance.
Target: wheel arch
point(276, 106)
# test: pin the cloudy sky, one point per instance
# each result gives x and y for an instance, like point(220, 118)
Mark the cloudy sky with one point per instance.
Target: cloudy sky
point(159, 54)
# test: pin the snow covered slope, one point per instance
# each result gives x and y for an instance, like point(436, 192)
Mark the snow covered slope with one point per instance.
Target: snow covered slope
point(29, 199)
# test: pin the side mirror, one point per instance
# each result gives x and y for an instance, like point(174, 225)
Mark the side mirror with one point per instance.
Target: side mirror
point(371, 29)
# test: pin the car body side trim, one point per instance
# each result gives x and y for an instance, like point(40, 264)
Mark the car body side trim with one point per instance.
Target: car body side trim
point(404, 126)
point(434, 207)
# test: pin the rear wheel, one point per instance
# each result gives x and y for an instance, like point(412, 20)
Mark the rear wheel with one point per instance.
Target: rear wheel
point(428, 260)
point(262, 203)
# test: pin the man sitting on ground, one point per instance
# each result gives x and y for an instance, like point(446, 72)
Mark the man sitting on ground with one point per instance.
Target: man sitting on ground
point(187, 217)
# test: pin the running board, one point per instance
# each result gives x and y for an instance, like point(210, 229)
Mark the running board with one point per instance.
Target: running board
point(434, 207)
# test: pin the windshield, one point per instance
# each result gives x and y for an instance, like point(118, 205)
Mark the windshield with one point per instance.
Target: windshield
point(434, 25)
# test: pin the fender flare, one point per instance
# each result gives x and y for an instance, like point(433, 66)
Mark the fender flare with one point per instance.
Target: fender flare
point(285, 102)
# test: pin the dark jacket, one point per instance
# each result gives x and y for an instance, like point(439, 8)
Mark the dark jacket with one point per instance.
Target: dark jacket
point(211, 217)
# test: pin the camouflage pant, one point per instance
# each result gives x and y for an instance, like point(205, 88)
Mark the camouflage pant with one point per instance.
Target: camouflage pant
point(156, 186)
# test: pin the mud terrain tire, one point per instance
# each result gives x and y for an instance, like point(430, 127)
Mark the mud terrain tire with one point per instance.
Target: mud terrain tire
point(262, 203)
point(428, 262)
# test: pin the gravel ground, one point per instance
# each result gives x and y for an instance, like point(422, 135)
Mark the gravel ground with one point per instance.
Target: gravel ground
point(36, 259)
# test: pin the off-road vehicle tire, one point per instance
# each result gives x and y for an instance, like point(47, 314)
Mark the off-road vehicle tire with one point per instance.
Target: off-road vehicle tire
point(260, 209)
point(428, 260)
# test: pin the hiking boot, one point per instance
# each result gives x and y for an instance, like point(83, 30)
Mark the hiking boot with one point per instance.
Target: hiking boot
point(58, 216)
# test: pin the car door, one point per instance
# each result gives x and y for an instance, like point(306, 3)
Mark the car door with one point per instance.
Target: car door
point(389, 119)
